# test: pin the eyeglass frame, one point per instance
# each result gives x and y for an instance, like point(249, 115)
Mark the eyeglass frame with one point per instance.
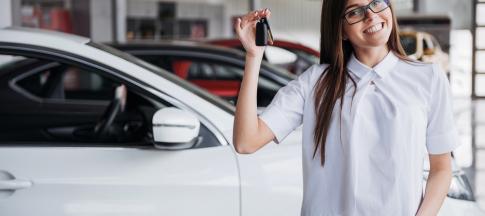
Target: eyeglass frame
point(365, 10)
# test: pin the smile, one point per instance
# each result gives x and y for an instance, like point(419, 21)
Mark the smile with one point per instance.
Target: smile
point(375, 28)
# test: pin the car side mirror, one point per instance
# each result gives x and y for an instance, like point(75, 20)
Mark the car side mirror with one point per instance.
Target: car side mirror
point(175, 129)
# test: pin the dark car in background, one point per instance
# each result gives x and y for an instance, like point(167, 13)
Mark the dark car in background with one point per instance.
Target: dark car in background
point(296, 57)
point(219, 70)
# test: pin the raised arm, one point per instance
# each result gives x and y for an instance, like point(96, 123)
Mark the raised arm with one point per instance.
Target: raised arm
point(250, 133)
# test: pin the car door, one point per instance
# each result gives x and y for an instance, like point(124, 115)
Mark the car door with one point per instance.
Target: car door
point(57, 168)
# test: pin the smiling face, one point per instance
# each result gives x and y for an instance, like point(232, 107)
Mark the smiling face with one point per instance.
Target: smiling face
point(373, 31)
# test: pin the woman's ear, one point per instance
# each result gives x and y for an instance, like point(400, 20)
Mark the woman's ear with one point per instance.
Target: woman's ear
point(344, 37)
point(344, 34)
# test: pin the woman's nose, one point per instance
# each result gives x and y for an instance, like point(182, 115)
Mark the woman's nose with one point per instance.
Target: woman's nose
point(369, 14)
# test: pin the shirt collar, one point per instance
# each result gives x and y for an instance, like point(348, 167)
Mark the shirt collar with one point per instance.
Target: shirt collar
point(382, 68)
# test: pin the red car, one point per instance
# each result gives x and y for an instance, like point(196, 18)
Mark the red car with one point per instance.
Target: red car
point(217, 69)
point(296, 57)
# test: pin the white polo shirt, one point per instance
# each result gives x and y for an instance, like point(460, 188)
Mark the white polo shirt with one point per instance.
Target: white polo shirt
point(375, 154)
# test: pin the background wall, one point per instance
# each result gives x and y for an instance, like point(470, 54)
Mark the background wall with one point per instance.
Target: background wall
point(101, 16)
point(6, 11)
point(456, 9)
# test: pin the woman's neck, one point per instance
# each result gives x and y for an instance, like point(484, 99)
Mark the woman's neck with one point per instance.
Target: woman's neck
point(371, 56)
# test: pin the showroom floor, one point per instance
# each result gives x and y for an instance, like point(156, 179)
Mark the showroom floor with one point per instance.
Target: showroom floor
point(470, 119)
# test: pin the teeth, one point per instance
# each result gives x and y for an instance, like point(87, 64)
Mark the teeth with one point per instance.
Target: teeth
point(374, 28)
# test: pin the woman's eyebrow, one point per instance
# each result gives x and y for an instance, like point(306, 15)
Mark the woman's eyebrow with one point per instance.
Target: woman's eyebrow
point(351, 6)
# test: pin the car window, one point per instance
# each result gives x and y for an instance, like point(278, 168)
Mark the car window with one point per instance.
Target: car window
point(205, 70)
point(305, 60)
point(219, 78)
point(425, 44)
point(312, 59)
point(409, 44)
point(7, 59)
point(68, 83)
point(217, 101)
point(54, 103)
point(428, 42)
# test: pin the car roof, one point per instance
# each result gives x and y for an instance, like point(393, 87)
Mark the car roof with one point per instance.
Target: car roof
point(179, 44)
point(234, 42)
point(34, 35)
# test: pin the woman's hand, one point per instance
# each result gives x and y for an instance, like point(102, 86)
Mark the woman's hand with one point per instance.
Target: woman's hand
point(246, 31)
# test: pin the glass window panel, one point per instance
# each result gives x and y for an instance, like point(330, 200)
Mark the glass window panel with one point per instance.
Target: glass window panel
point(480, 14)
point(480, 85)
point(7, 59)
point(403, 5)
point(480, 61)
point(480, 37)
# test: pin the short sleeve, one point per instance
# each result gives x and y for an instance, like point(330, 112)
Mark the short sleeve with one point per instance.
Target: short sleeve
point(441, 135)
point(285, 112)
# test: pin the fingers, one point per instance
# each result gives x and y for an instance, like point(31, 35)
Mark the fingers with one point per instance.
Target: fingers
point(237, 26)
point(250, 19)
point(254, 23)
point(255, 15)
point(264, 13)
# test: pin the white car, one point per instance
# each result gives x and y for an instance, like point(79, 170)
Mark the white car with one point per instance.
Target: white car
point(88, 130)
point(424, 47)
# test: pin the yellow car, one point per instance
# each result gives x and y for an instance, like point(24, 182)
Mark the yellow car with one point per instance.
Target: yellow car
point(424, 47)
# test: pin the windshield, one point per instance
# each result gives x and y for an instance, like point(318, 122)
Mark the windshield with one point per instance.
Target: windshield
point(226, 106)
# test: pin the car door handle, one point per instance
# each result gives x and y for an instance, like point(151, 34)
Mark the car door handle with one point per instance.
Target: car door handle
point(14, 184)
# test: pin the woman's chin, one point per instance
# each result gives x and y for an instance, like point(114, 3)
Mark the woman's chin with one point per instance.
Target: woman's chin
point(373, 44)
point(376, 41)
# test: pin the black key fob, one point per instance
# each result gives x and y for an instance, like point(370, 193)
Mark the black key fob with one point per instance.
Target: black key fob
point(263, 32)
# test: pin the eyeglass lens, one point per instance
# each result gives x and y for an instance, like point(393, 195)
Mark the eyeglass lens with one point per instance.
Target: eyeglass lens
point(358, 14)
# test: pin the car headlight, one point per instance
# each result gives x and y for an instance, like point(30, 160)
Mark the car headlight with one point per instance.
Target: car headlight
point(460, 187)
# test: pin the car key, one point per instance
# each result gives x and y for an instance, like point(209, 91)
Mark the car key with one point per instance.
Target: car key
point(263, 32)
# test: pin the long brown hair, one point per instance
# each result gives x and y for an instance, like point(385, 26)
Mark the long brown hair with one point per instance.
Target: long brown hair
point(336, 52)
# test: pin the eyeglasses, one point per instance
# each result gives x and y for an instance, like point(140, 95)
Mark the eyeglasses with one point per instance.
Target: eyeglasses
point(358, 14)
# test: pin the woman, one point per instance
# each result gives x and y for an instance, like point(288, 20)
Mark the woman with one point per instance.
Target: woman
point(369, 114)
